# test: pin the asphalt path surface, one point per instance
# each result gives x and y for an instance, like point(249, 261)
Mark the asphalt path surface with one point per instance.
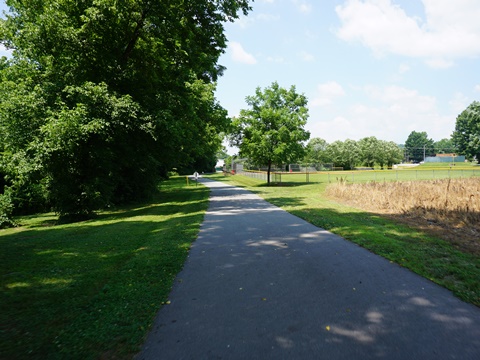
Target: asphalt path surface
point(260, 283)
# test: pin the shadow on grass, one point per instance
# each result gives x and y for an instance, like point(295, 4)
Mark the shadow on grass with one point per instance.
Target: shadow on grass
point(88, 289)
point(459, 227)
point(282, 184)
point(429, 256)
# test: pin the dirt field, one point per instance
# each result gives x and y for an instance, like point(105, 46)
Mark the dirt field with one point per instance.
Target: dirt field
point(448, 208)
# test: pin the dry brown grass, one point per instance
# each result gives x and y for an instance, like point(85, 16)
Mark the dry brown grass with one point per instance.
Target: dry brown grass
point(448, 208)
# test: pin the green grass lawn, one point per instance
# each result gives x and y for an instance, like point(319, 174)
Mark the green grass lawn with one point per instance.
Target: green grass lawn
point(428, 172)
point(426, 255)
point(91, 290)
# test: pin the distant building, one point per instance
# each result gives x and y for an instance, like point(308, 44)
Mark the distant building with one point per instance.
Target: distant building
point(445, 158)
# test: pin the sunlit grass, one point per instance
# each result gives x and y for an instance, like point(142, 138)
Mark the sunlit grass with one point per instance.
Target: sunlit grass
point(90, 290)
point(407, 245)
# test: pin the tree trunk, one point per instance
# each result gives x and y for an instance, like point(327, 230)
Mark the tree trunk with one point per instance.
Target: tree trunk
point(135, 36)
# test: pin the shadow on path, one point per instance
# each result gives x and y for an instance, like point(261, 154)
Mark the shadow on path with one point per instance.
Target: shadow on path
point(263, 284)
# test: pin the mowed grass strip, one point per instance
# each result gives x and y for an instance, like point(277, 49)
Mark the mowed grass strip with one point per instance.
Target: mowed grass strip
point(356, 176)
point(91, 290)
point(408, 246)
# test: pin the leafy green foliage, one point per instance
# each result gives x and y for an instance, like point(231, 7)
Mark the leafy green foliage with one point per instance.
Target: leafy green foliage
point(466, 136)
point(271, 130)
point(369, 150)
point(315, 151)
point(444, 146)
point(102, 98)
point(418, 144)
point(345, 154)
point(6, 210)
point(389, 154)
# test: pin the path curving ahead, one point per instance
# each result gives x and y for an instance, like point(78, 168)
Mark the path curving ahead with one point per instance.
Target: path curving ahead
point(260, 283)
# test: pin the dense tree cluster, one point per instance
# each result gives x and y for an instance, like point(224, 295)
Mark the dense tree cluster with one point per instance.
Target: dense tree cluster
point(102, 98)
point(349, 154)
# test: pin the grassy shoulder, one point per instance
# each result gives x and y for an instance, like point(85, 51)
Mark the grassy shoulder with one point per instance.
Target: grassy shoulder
point(92, 289)
point(412, 248)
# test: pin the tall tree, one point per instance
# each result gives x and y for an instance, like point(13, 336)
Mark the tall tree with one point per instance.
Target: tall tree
point(271, 131)
point(315, 151)
point(369, 150)
point(444, 146)
point(466, 136)
point(100, 98)
point(390, 154)
point(418, 146)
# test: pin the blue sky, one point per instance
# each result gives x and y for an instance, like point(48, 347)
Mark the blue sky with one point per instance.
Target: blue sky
point(380, 68)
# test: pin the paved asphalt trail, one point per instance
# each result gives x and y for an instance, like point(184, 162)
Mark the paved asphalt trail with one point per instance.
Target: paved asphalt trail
point(260, 283)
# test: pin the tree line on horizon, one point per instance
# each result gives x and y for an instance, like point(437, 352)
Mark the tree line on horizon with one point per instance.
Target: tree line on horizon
point(256, 127)
point(263, 122)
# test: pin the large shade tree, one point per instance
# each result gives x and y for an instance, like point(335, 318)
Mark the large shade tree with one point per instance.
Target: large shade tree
point(100, 98)
point(418, 146)
point(271, 131)
point(466, 136)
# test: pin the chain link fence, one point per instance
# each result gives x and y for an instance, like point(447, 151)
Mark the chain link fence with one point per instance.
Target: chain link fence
point(361, 176)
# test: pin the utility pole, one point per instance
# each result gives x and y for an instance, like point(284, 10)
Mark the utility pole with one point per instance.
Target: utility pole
point(424, 152)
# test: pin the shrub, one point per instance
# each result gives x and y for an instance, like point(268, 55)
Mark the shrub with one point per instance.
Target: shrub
point(6, 209)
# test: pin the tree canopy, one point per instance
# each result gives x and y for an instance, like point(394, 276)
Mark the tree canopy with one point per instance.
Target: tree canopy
point(102, 98)
point(419, 145)
point(315, 151)
point(444, 146)
point(466, 136)
point(347, 154)
point(271, 131)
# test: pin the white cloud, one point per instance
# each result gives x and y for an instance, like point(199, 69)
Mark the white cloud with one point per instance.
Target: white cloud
point(247, 21)
point(458, 103)
point(439, 63)
point(303, 6)
point(240, 55)
point(307, 56)
point(398, 75)
point(477, 88)
point(389, 113)
point(267, 17)
point(327, 92)
point(244, 21)
point(450, 30)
